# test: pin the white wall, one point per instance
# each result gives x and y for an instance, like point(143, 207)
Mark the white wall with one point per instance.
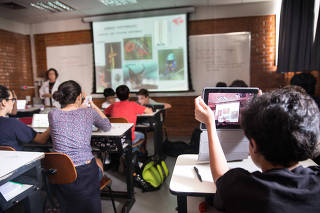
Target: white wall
point(16, 27)
point(237, 10)
point(59, 26)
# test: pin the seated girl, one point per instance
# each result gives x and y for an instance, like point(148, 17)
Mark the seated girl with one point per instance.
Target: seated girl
point(71, 128)
point(13, 132)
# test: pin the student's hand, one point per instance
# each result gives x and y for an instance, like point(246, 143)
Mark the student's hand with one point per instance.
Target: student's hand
point(260, 92)
point(47, 95)
point(14, 94)
point(202, 112)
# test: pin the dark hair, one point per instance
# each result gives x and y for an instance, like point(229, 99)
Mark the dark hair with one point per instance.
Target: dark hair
point(4, 92)
point(238, 83)
point(143, 92)
point(123, 92)
point(67, 93)
point(305, 80)
point(221, 84)
point(54, 70)
point(284, 124)
point(108, 92)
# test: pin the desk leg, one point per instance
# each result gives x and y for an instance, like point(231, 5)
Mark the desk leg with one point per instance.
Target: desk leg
point(158, 137)
point(182, 204)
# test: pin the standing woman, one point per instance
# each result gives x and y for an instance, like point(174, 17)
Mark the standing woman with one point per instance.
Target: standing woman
point(13, 132)
point(71, 128)
point(49, 87)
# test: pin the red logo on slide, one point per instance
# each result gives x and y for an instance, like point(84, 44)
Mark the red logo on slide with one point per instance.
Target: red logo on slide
point(178, 21)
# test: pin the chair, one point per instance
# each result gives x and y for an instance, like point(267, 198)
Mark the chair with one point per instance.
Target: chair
point(59, 169)
point(7, 148)
point(139, 142)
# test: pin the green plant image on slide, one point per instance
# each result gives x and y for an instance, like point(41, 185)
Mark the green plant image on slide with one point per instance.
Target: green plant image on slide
point(137, 48)
point(171, 64)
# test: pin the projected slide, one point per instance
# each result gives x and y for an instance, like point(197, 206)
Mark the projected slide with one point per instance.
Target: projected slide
point(148, 53)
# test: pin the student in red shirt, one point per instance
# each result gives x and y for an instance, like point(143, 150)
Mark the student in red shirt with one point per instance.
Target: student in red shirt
point(127, 109)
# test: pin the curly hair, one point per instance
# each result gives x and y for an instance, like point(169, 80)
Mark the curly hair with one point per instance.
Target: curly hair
point(284, 124)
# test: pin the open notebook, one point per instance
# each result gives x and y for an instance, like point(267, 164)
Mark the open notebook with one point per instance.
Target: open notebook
point(40, 121)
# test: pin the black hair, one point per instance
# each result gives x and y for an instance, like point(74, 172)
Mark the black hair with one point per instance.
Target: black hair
point(305, 80)
point(108, 92)
point(67, 93)
point(221, 84)
point(123, 92)
point(143, 92)
point(238, 83)
point(54, 70)
point(284, 124)
point(4, 92)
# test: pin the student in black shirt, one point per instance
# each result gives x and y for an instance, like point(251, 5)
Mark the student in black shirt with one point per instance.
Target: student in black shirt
point(283, 128)
point(13, 132)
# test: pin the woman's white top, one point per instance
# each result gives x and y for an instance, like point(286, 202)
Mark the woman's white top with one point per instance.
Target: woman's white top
point(45, 90)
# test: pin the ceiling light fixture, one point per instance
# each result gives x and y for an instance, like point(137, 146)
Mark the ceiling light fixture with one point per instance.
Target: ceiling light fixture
point(118, 2)
point(52, 6)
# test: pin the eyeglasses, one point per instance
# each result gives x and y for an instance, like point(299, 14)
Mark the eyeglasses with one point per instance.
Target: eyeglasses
point(12, 99)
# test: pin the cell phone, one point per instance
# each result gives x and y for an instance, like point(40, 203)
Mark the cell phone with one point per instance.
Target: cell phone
point(88, 100)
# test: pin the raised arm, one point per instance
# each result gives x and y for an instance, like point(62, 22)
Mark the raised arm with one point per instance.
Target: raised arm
point(42, 138)
point(218, 162)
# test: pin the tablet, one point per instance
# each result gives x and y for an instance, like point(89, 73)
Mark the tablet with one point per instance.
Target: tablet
point(227, 103)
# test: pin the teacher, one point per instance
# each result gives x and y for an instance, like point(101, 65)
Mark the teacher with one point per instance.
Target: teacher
point(49, 87)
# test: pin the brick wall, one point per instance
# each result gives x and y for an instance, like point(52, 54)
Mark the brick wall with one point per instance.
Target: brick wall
point(15, 62)
point(180, 119)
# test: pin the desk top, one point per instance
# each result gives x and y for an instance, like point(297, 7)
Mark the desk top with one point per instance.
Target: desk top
point(150, 115)
point(117, 129)
point(13, 160)
point(184, 179)
point(31, 109)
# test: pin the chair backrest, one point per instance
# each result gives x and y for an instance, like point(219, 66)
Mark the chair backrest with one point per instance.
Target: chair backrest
point(117, 120)
point(65, 170)
point(7, 148)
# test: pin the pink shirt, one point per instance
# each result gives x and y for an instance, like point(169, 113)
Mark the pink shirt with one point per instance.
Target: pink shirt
point(126, 109)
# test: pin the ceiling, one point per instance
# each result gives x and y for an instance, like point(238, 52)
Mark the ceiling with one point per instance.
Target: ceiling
point(84, 8)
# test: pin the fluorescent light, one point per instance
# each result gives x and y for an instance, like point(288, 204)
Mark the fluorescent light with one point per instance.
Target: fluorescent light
point(52, 6)
point(118, 2)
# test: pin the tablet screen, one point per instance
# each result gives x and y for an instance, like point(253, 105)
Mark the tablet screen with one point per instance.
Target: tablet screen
point(227, 104)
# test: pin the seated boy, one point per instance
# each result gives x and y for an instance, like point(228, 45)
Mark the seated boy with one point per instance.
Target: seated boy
point(109, 97)
point(127, 109)
point(144, 99)
point(283, 128)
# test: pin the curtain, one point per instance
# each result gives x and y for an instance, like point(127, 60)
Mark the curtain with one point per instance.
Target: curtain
point(316, 48)
point(295, 36)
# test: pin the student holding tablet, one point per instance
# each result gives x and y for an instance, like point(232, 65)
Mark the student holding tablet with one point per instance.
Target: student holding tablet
point(71, 128)
point(283, 128)
point(13, 132)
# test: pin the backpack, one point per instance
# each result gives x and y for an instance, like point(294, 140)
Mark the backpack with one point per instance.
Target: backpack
point(174, 149)
point(151, 174)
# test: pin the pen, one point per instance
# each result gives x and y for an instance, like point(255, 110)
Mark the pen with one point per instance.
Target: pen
point(197, 172)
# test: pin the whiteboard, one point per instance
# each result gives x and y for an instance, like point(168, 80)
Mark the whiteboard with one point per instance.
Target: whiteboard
point(73, 62)
point(219, 57)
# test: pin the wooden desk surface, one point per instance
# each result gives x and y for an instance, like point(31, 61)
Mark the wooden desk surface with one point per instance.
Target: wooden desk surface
point(184, 179)
point(12, 160)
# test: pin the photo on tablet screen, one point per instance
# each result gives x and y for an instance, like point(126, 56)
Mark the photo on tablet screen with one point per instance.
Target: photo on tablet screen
point(227, 105)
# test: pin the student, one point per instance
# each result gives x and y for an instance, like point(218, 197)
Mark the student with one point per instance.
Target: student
point(127, 109)
point(221, 84)
point(71, 128)
point(144, 99)
point(283, 128)
point(238, 83)
point(13, 132)
point(49, 87)
point(109, 97)
point(308, 82)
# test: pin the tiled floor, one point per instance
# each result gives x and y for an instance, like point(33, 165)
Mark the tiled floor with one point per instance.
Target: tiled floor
point(161, 201)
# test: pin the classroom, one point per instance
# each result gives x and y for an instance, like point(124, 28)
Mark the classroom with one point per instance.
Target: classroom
point(100, 108)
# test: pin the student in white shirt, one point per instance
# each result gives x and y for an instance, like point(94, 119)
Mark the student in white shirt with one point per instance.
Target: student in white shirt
point(110, 98)
point(144, 99)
